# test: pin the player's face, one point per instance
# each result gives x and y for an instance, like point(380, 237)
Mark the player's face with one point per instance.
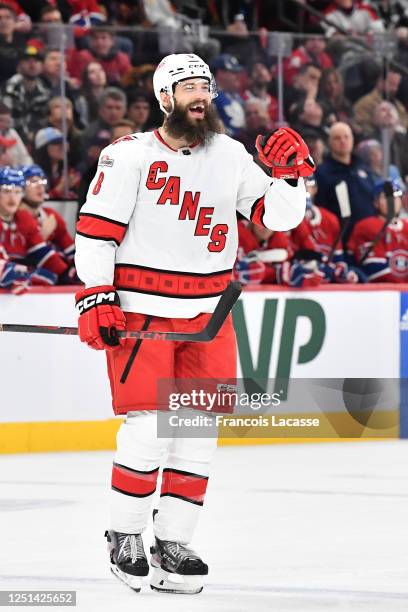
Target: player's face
point(35, 189)
point(193, 95)
point(192, 117)
point(10, 200)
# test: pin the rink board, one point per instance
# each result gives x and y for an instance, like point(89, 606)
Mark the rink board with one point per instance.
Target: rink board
point(55, 392)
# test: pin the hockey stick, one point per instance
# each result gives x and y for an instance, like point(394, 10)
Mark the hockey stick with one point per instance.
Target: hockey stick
point(345, 213)
point(389, 194)
point(224, 306)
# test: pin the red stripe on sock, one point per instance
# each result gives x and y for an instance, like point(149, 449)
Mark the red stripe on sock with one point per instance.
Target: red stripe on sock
point(190, 486)
point(129, 481)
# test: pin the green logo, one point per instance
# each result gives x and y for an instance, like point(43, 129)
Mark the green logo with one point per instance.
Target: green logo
point(257, 368)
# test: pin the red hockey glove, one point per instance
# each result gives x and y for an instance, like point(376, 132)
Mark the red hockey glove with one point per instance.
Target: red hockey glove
point(100, 317)
point(286, 153)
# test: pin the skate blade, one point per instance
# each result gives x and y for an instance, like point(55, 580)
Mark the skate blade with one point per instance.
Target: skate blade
point(134, 582)
point(166, 582)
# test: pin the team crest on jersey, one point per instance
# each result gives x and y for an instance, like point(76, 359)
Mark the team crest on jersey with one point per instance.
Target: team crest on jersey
point(399, 262)
point(106, 161)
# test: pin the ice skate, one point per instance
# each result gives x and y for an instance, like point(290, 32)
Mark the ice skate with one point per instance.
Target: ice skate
point(127, 558)
point(177, 569)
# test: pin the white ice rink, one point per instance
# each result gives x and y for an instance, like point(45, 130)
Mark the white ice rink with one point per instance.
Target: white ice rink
point(284, 528)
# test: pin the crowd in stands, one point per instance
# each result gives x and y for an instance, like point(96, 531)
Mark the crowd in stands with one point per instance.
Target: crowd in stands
point(76, 75)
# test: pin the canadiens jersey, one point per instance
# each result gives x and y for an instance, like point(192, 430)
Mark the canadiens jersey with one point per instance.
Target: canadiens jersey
point(387, 261)
point(160, 224)
point(248, 242)
point(60, 238)
point(23, 243)
point(317, 232)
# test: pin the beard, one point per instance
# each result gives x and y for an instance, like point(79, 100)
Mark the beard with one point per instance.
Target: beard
point(179, 125)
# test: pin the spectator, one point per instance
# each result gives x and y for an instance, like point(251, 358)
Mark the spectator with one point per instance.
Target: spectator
point(17, 153)
point(317, 146)
point(49, 155)
point(112, 108)
point(308, 115)
point(387, 244)
point(371, 154)
point(260, 79)
point(352, 16)
point(101, 49)
point(93, 85)
point(11, 42)
point(139, 109)
point(23, 19)
point(141, 77)
point(305, 85)
point(240, 43)
point(386, 87)
point(229, 103)
point(311, 52)
point(26, 95)
point(123, 128)
point(50, 14)
point(51, 74)
point(342, 165)
point(22, 247)
point(257, 122)
point(332, 97)
point(57, 108)
point(51, 225)
point(386, 119)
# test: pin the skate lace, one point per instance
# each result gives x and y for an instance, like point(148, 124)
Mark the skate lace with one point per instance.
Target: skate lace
point(131, 546)
point(179, 552)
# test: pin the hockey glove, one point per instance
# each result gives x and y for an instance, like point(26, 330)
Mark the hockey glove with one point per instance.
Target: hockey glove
point(286, 153)
point(100, 317)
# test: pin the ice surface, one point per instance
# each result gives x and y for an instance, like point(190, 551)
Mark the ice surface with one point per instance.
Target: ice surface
point(284, 528)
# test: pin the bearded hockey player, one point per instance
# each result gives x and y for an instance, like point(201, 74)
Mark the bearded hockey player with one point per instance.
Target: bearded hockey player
point(156, 243)
point(380, 248)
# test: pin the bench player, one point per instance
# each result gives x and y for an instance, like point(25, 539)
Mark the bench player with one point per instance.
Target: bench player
point(156, 243)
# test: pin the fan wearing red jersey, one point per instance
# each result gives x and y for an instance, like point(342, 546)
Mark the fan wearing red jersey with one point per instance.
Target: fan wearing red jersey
point(156, 243)
point(380, 249)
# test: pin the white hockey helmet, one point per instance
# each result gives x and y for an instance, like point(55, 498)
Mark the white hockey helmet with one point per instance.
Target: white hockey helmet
point(178, 67)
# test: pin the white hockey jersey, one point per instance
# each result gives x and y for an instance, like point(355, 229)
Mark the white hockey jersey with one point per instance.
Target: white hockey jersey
point(160, 225)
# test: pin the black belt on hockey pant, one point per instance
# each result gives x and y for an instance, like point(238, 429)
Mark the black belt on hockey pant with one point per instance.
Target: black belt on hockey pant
point(135, 350)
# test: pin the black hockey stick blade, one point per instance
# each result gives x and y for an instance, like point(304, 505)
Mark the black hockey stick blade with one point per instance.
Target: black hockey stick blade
point(223, 308)
point(389, 194)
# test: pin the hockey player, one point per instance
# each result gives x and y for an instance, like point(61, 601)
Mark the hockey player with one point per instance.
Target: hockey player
point(312, 242)
point(52, 226)
point(156, 243)
point(25, 258)
point(259, 252)
point(380, 248)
